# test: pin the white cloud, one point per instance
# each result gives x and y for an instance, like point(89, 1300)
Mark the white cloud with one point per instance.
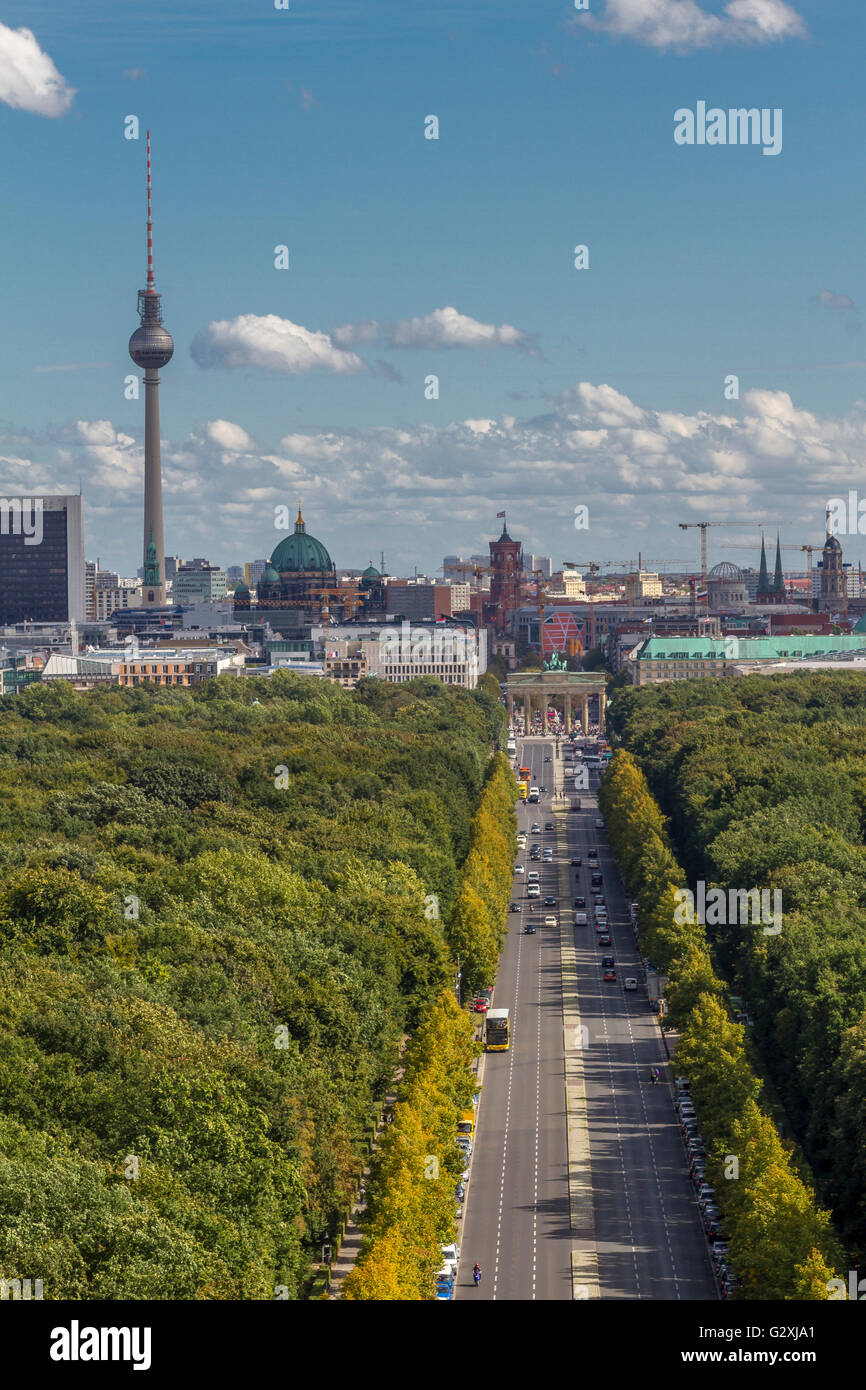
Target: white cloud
point(232, 438)
point(446, 328)
point(426, 490)
point(683, 24)
point(269, 343)
point(443, 328)
point(29, 81)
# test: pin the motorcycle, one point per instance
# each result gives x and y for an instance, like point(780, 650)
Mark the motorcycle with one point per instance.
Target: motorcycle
point(476, 1275)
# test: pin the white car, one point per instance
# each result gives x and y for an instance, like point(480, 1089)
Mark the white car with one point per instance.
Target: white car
point(519, 869)
point(450, 1256)
point(580, 919)
point(629, 982)
point(599, 823)
point(533, 891)
point(550, 922)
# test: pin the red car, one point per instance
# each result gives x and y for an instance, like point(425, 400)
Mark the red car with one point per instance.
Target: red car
point(604, 940)
point(610, 974)
point(481, 1006)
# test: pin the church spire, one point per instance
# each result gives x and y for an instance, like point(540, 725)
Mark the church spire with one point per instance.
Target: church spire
point(778, 577)
point(763, 576)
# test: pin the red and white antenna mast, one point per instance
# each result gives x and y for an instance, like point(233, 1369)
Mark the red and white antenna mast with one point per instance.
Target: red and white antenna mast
point(150, 281)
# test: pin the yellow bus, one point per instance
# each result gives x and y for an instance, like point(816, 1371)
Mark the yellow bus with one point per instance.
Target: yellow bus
point(466, 1125)
point(497, 1031)
point(521, 788)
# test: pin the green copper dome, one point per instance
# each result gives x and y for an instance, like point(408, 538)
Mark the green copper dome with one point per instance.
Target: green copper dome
point(371, 573)
point(269, 575)
point(241, 590)
point(301, 552)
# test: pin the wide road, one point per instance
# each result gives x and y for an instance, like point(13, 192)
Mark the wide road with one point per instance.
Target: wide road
point(640, 1234)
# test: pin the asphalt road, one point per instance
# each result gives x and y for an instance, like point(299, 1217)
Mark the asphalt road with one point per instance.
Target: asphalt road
point(648, 1238)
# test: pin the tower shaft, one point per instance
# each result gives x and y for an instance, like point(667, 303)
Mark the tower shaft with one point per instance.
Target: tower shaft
point(153, 594)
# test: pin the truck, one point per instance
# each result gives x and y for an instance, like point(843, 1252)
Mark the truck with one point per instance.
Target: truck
point(523, 774)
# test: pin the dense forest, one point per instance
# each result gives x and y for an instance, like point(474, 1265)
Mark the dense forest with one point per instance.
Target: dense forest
point(220, 910)
point(763, 780)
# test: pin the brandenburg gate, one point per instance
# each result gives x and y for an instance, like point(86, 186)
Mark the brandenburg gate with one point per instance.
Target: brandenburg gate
point(572, 690)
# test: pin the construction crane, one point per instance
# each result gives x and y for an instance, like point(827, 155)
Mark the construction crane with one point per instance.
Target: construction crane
point(350, 593)
point(702, 527)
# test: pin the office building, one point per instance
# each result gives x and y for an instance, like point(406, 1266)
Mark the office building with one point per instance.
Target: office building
point(42, 565)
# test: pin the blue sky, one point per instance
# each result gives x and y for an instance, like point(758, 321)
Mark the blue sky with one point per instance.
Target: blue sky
point(602, 387)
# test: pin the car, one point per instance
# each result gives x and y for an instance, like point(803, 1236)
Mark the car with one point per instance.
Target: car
point(460, 1191)
point(551, 921)
point(547, 858)
point(529, 929)
point(549, 825)
point(535, 852)
point(580, 902)
point(609, 975)
point(547, 758)
point(599, 823)
point(514, 907)
point(533, 876)
point(575, 807)
point(464, 1144)
point(604, 939)
point(550, 902)
point(598, 899)
point(576, 861)
point(444, 1290)
point(533, 891)
point(485, 993)
point(480, 1005)
point(629, 982)
point(596, 880)
point(580, 919)
point(608, 961)
point(450, 1256)
point(519, 869)
point(536, 829)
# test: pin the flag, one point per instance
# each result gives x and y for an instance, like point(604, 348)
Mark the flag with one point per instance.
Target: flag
point(500, 514)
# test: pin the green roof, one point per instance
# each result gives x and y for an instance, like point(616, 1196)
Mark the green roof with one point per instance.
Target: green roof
point(301, 552)
point(777, 648)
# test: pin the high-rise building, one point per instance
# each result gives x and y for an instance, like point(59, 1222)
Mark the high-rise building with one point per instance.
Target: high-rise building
point(151, 347)
point(199, 582)
point(42, 575)
point(172, 565)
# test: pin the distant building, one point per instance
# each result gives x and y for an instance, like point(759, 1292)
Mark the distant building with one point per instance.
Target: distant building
point(726, 588)
point(199, 582)
point(455, 653)
point(109, 600)
point(42, 565)
point(172, 565)
point(253, 571)
point(661, 659)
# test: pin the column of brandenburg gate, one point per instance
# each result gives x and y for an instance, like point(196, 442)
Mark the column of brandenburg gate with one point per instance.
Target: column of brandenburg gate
point(572, 690)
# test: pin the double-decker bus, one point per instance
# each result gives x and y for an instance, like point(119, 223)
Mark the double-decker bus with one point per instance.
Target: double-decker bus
point(497, 1031)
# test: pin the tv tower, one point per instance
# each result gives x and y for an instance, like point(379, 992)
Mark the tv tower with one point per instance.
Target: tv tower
point(151, 347)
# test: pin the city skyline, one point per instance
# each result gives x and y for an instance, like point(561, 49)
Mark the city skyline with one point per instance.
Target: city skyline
point(558, 387)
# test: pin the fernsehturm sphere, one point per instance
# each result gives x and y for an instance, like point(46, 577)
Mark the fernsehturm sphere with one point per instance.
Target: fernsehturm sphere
point(151, 347)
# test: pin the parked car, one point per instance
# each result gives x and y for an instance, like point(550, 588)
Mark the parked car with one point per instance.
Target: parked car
point(450, 1256)
point(480, 1005)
